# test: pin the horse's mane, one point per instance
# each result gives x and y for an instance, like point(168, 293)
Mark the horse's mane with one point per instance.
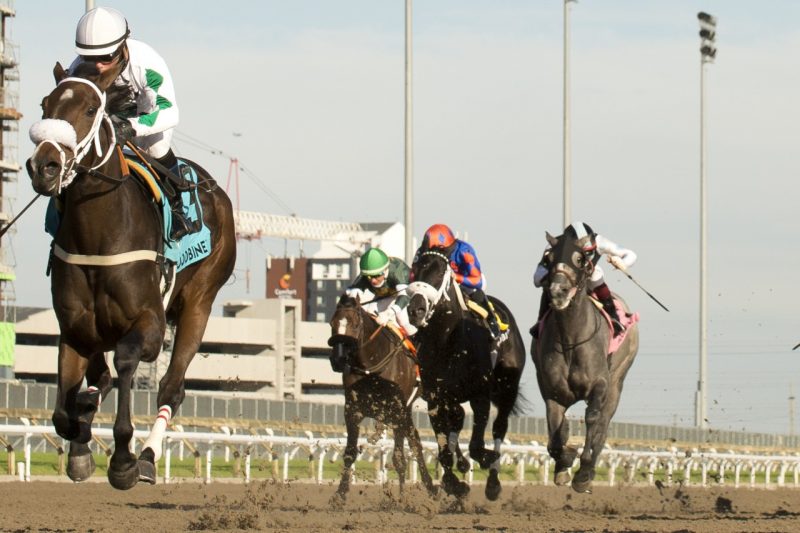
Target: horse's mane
point(119, 98)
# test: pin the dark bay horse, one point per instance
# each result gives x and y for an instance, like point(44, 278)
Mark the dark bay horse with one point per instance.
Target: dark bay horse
point(106, 269)
point(572, 361)
point(380, 382)
point(456, 366)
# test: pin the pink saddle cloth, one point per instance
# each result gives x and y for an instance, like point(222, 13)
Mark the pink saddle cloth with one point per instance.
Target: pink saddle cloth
point(627, 320)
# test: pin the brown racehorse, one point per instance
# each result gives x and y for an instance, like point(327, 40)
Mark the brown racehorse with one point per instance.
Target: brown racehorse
point(380, 382)
point(106, 269)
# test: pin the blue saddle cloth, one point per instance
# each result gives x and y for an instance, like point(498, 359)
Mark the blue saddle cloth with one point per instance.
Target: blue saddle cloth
point(186, 251)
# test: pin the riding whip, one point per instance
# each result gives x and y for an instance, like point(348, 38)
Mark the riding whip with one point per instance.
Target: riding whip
point(8, 226)
point(645, 290)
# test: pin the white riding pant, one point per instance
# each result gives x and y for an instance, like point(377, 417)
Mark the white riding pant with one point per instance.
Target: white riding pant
point(155, 145)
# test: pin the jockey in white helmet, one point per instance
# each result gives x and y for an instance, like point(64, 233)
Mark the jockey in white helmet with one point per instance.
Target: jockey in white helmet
point(102, 38)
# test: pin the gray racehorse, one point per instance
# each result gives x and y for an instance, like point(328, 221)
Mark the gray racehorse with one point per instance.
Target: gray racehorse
point(572, 362)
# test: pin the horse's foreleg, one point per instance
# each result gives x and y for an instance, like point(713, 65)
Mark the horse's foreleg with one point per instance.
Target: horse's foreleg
point(142, 342)
point(480, 419)
point(71, 371)
point(558, 431)
point(398, 456)
point(415, 444)
point(442, 417)
point(596, 428)
point(352, 419)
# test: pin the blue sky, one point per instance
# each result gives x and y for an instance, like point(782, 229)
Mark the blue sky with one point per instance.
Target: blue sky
point(316, 90)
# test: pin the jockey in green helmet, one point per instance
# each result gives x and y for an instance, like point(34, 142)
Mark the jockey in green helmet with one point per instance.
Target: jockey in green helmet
point(382, 284)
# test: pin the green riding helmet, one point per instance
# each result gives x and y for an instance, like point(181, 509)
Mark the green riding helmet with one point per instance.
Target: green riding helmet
point(374, 262)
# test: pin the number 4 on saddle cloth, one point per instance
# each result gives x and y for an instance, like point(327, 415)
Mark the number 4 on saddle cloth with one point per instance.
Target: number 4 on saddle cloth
point(187, 250)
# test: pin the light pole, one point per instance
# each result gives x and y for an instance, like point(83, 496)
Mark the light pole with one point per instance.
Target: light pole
point(409, 153)
point(567, 211)
point(708, 50)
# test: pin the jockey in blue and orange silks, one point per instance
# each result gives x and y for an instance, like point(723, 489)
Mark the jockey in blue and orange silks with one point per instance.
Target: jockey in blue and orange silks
point(465, 265)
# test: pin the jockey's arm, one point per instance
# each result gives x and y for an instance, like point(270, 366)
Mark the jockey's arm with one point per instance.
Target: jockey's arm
point(612, 249)
point(468, 268)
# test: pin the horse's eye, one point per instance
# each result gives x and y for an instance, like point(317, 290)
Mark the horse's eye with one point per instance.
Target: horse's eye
point(578, 259)
point(91, 111)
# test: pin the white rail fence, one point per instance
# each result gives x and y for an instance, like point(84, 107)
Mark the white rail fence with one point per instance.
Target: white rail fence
point(714, 468)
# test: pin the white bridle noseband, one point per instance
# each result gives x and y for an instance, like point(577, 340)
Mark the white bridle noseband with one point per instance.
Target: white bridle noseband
point(61, 133)
point(429, 293)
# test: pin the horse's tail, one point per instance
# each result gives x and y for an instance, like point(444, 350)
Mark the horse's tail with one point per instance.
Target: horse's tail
point(510, 395)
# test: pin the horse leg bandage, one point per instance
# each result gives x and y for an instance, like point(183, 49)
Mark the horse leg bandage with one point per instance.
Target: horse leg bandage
point(156, 436)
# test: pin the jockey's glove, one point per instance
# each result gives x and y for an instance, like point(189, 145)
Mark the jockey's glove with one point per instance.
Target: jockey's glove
point(122, 129)
point(617, 262)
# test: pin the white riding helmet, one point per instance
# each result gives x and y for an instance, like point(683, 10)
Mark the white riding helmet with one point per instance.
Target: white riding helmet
point(100, 32)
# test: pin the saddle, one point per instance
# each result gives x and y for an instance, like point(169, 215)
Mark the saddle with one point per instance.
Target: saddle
point(192, 247)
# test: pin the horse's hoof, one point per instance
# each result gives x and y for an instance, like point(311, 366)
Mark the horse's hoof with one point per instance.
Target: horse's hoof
point(562, 478)
point(147, 471)
point(582, 487)
point(124, 479)
point(80, 467)
point(583, 481)
point(337, 500)
point(454, 486)
point(462, 464)
point(493, 487)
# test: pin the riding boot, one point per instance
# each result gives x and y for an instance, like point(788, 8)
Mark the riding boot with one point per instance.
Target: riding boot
point(480, 298)
point(604, 295)
point(181, 226)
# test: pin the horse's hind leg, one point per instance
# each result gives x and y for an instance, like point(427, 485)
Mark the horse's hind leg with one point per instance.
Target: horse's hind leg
point(499, 430)
point(188, 334)
point(480, 419)
point(558, 430)
point(415, 444)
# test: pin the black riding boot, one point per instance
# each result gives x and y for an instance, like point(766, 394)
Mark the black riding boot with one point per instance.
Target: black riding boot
point(480, 297)
point(604, 295)
point(181, 226)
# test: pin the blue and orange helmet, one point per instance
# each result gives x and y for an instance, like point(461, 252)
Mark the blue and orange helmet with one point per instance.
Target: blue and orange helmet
point(439, 235)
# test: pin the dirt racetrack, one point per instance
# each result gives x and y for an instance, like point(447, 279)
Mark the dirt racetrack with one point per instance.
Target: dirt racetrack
point(58, 506)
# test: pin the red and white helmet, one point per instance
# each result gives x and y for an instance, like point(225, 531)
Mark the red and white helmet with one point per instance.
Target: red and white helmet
point(100, 32)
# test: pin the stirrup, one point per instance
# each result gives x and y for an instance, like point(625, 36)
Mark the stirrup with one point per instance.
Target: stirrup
point(180, 227)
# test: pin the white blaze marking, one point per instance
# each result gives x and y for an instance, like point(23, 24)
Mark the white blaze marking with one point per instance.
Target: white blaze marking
point(343, 326)
point(66, 95)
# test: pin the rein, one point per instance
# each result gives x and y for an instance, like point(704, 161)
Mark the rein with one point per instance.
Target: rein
point(432, 295)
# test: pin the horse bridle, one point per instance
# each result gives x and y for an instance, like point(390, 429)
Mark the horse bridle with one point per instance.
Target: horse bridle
point(60, 133)
point(429, 293)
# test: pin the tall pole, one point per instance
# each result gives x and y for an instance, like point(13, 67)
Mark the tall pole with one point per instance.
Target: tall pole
point(89, 5)
point(567, 211)
point(701, 419)
point(708, 51)
point(409, 146)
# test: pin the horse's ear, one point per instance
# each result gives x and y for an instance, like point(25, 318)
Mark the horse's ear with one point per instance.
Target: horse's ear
point(550, 239)
point(59, 73)
point(107, 78)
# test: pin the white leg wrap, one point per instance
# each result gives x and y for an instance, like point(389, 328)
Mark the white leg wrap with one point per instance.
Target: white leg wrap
point(496, 464)
point(156, 436)
point(452, 441)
